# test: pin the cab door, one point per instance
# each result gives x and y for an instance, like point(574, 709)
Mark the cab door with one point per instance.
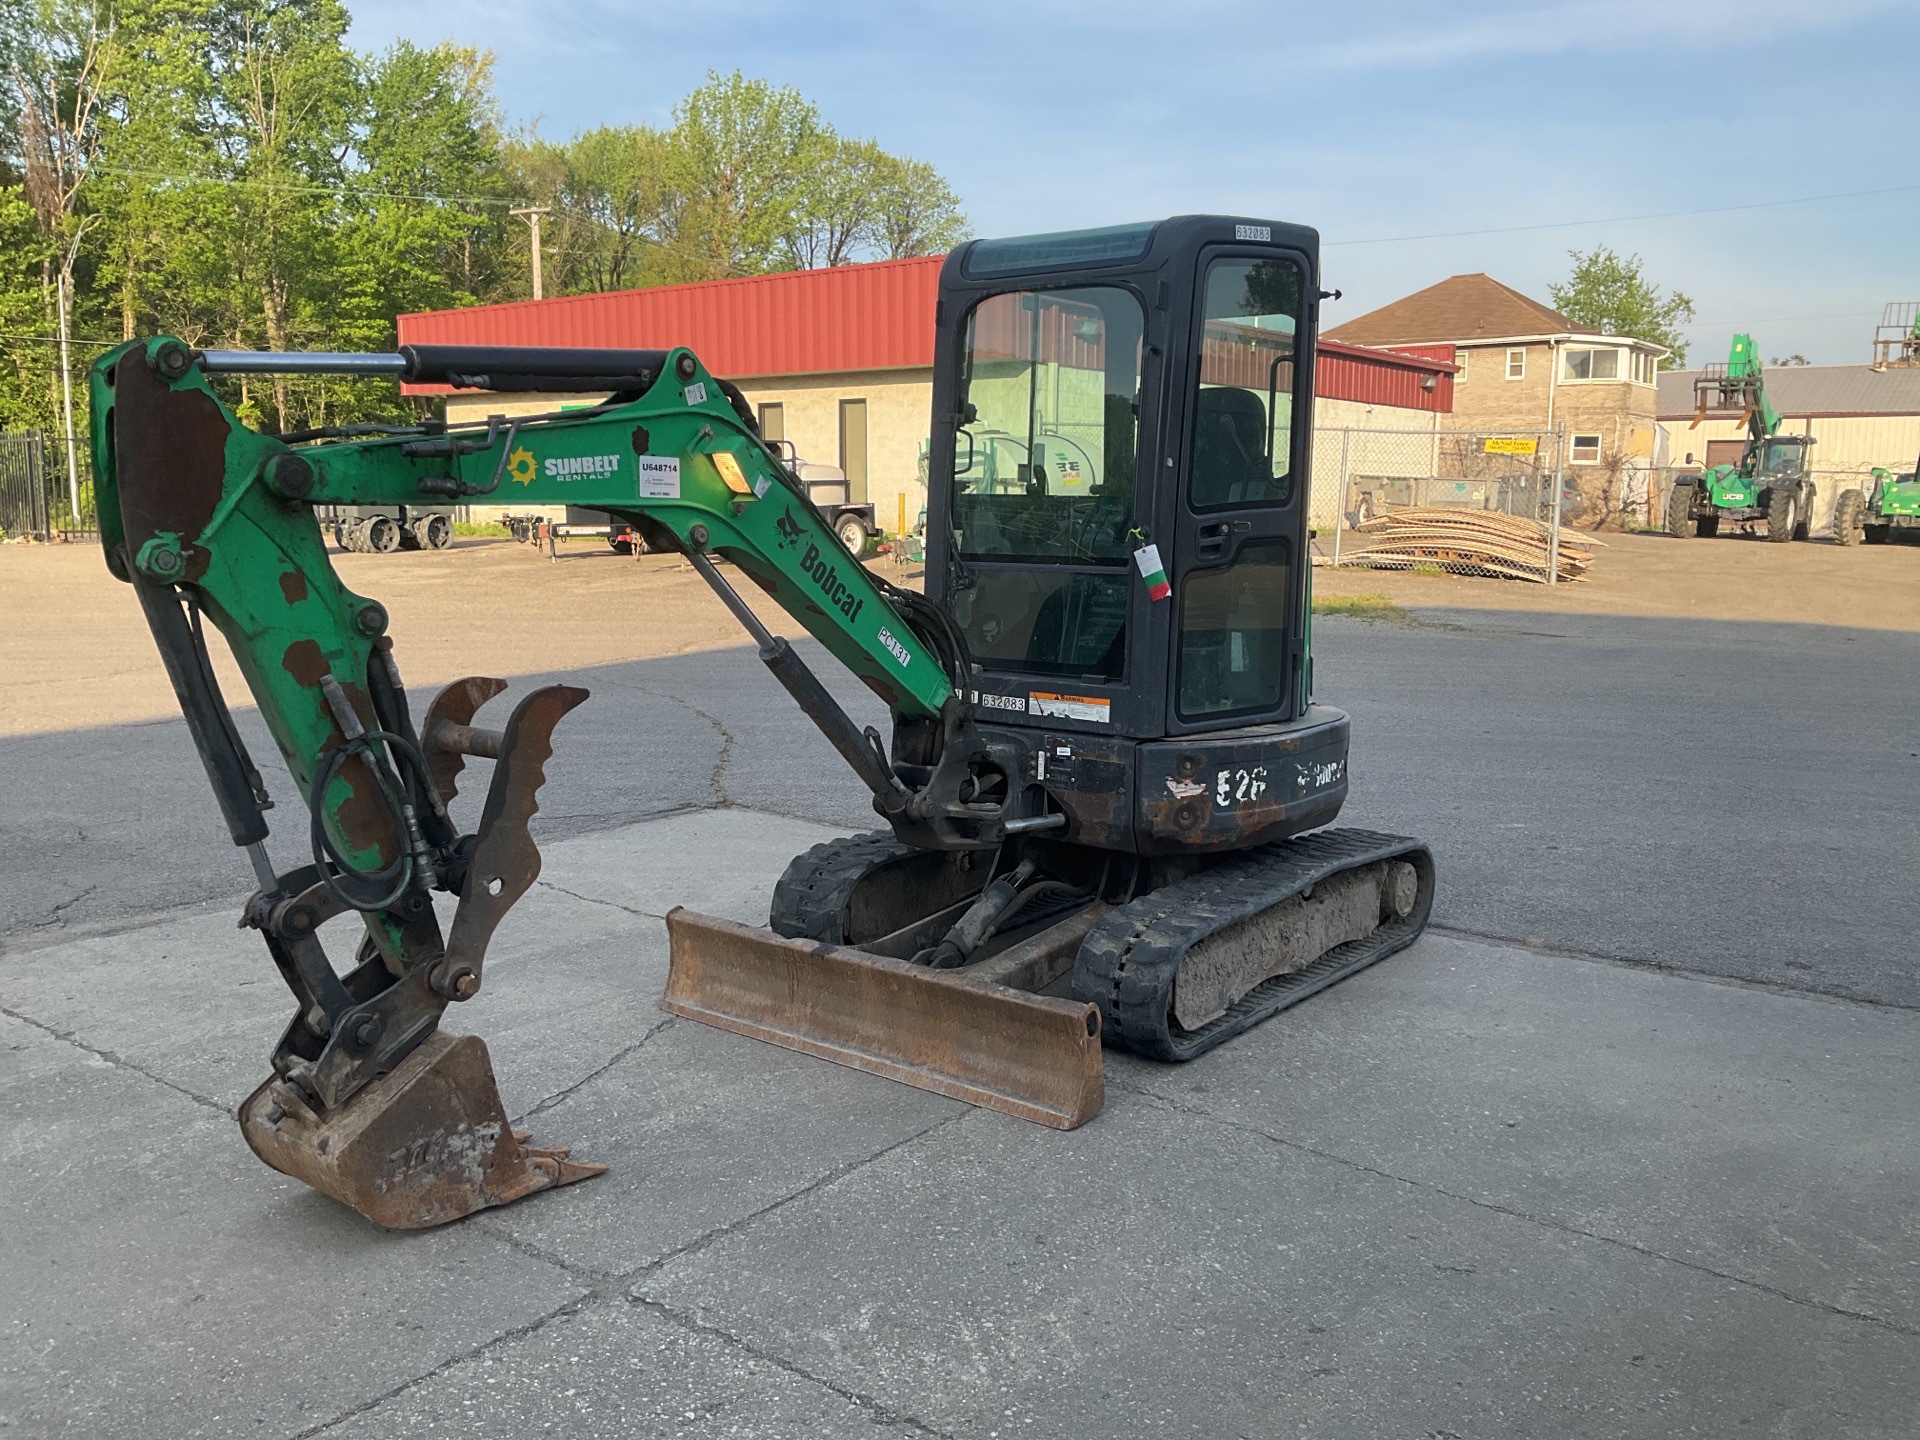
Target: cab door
point(1239, 588)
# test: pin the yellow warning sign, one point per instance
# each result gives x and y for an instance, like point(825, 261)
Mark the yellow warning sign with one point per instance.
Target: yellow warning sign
point(1510, 445)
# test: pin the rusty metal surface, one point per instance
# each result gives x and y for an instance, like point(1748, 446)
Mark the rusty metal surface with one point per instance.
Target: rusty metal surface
point(455, 705)
point(426, 1144)
point(1042, 959)
point(1031, 1056)
point(1236, 789)
point(170, 451)
point(505, 862)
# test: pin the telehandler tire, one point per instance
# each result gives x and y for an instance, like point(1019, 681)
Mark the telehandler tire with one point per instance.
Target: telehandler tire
point(1847, 511)
point(1680, 512)
point(1782, 515)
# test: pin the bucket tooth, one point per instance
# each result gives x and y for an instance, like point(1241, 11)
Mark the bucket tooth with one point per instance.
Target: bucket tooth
point(1033, 1056)
point(422, 1145)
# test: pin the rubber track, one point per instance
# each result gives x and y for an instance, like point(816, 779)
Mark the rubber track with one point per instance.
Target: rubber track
point(810, 901)
point(1127, 963)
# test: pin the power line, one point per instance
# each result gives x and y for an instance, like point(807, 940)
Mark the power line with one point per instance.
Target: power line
point(1783, 319)
point(234, 183)
point(55, 340)
point(1623, 219)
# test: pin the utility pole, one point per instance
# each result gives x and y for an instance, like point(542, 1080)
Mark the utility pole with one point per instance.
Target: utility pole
point(61, 281)
point(533, 214)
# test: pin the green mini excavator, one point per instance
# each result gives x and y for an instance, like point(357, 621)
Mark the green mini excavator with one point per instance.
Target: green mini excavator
point(1105, 757)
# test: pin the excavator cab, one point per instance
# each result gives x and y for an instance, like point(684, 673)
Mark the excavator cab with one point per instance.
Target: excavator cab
point(1117, 523)
point(1117, 530)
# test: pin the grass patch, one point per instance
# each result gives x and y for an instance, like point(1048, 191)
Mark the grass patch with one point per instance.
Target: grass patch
point(1360, 607)
point(479, 529)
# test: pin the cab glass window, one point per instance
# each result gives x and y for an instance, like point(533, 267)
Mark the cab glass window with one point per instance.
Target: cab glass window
point(1243, 415)
point(1233, 634)
point(1044, 456)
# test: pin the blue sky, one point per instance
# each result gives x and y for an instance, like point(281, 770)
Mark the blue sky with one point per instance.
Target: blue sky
point(1370, 119)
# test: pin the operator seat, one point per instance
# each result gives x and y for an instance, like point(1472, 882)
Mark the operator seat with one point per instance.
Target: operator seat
point(1230, 448)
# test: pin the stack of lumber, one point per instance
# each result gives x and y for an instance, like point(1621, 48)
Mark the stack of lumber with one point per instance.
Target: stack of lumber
point(1466, 542)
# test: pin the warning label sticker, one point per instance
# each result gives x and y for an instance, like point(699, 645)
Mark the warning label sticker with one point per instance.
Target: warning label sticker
point(1096, 708)
point(659, 477)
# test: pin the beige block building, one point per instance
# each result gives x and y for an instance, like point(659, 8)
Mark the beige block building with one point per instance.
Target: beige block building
point(1522, 366)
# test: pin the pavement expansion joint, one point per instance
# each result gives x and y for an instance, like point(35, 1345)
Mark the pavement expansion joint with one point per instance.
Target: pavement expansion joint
point(880, 1411)
point(598, 1282)
point(47, 936)
point(118, 1061)
point(472, 1352)
point(560, 1096)
point(1243, 1127)
point(1662, 967)
point(603, 1289)
point(720, 1232)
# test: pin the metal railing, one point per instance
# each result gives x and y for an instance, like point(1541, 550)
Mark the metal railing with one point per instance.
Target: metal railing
point(37, 493)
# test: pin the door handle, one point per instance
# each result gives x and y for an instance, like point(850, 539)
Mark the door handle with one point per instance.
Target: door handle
point(1210, 540)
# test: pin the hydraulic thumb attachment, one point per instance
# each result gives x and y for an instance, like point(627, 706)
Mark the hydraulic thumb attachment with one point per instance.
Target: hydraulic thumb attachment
point(206, 517)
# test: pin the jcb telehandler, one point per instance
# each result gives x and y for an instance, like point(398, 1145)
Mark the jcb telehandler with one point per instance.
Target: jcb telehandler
point(1772, 480)
point(1104, 751)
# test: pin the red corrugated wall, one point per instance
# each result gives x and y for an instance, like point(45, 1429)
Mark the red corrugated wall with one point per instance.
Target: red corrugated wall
point(802, 322)
point(1386, 377)
point(850, 317)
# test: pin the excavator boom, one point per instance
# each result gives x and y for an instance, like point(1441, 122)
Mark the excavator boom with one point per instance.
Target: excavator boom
point(208, 518)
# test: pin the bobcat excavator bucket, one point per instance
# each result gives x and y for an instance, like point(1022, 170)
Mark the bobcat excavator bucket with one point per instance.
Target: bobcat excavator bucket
point(426, 1143)
point(981, 1035)
point(414, 1134)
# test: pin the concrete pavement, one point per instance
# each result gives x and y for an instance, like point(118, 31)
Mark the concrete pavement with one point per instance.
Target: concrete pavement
point(1738, 799)
point(1477, 1191)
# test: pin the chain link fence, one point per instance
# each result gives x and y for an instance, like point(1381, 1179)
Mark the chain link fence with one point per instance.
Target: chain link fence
point(38, 491)
point(1478, 503)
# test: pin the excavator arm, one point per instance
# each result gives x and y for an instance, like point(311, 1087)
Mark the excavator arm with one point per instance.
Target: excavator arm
point(210, 520)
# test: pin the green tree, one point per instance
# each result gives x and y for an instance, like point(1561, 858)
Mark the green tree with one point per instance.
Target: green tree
point(613, 207)
point(28, 376)
point(834, 217)
point(424, 207)
point(742, 150)
point(1613, 295)
point(914, 210)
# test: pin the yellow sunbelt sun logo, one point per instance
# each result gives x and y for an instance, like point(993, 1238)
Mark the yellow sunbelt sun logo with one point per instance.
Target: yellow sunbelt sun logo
point(520, 465)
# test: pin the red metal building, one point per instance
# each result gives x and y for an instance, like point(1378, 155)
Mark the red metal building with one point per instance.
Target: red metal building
point(840, 361)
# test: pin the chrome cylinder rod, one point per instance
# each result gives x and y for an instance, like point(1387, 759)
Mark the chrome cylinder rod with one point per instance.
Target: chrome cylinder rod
point(300, 362)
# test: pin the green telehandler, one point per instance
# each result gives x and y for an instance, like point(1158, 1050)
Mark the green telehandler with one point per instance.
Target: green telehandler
point(1890, 503)
point(1772, 480)
point(1105, 757)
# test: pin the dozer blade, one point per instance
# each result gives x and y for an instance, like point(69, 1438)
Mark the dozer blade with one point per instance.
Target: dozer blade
point(426, 1143)
point(1034, 1056)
